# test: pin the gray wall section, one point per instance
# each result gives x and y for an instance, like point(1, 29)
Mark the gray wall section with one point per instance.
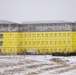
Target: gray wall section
point(38, 27)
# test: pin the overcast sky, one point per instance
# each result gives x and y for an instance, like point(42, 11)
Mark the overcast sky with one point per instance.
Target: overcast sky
point(37, 10)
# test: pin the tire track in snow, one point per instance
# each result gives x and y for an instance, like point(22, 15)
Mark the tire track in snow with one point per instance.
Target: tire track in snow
point(50, 68)
point(65, 70)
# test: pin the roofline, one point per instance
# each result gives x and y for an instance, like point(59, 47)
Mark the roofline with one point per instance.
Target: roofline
point(7, 22)
point(45, 22)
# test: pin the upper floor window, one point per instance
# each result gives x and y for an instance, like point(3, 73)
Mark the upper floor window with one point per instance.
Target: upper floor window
point(1, 42)
point(1, 35)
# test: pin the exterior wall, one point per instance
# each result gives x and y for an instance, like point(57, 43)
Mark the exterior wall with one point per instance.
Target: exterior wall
point(74, 37)
point(42, 38)
point(43, 42)
point(10, 42)
point(48, 42)
point(46, 27)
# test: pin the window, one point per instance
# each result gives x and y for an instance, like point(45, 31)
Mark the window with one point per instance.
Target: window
point(46, 35)
point(42, 42)
point(38, 35)
point(1, 35)
point(10, 34)
point(69, 34)
point(1, 42)
point(64, 34)
point(42, 35)
point(55, 34)
point(55, 42)
point(38, 42)
point(59, 34)
point(30, 42)
point(51, 34)
point(51, 42)
point(47, 42)
point(34, 42)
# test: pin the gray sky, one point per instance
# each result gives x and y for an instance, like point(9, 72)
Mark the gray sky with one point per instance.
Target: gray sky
point(37, 10)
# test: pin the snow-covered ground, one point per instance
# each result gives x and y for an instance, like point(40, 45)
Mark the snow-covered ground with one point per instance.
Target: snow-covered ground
point(37, 65)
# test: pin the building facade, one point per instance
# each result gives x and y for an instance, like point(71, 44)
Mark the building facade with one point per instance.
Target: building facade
point(38, 37)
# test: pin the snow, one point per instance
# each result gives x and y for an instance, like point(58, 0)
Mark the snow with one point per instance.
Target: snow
point(37, 65)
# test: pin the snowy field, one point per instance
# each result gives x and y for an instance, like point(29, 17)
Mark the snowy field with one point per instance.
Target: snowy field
point(37, 65)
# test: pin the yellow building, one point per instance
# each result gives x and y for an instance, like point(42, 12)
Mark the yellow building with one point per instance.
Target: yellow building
point(37, 37)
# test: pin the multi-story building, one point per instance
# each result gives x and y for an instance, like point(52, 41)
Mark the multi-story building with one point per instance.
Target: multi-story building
point(37, 37)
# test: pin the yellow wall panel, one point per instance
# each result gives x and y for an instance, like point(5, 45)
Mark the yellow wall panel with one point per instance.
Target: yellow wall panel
point(16, 42)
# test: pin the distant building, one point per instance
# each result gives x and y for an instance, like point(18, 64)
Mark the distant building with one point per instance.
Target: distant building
point(44, 37)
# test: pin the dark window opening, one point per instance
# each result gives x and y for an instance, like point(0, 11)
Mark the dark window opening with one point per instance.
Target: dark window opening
point(1, 35)
point(1, 42)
